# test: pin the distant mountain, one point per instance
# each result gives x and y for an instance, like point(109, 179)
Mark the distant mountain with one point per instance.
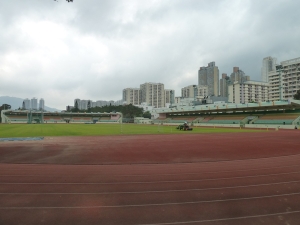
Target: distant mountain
point(17, 102)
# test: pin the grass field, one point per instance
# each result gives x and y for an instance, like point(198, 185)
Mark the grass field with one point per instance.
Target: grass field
point(37, 130)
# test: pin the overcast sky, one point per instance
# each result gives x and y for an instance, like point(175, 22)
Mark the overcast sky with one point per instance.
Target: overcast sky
point(93, 49)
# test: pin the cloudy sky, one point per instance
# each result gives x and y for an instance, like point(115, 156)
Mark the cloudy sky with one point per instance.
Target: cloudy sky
point(93, 49)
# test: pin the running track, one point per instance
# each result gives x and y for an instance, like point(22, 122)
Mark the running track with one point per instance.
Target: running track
point(244, 178)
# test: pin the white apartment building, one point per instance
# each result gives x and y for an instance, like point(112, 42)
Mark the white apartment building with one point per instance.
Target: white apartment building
point(132, 96)
point(41, 104)
point(169, 96)
point(33, 104)
point(268, 65)
point(285, 80)
point(26, 104)
point(153, 94)
point(190, 91)
point(82, 104)
point(249, 91)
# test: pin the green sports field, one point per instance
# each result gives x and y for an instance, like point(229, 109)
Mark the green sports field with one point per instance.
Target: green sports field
point(36, 130)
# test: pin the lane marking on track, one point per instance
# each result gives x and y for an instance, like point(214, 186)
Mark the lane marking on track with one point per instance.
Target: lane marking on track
point(144, 192)
point(150, 182)
point(148, 175)
point(146, 205)
point(179, 163)
point(224, 219)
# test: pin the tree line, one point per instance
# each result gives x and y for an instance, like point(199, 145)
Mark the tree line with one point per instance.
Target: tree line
point(128, 111)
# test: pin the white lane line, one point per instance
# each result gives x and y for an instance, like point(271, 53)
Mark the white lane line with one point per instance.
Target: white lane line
point(151, 182)
point(160, 164)
point(146, 205)
point(144, 192)
point(225, 219)
point(162, 174)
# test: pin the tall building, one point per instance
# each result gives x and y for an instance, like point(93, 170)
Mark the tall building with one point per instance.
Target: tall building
point(169, 96)
point(285, 80)
point(248, 91)
point(101, 103)
point(153, 94)
point(42, 104)
point(132, 96)
point(268, 65)
point(26, 104)
point(238, 75)
point(209, 76)
point(194, 91)
point(33, 104)
point(224, 85)
point(77, 103)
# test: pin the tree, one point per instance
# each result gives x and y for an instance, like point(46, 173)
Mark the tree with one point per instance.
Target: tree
point(89, 106)
point(76, 109)
point(147, 114)
point(130, 111)
point(297, 95)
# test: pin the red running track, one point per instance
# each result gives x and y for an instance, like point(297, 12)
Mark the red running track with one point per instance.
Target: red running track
point(244, 178)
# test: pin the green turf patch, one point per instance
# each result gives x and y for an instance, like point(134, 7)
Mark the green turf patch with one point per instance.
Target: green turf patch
point(44, 130)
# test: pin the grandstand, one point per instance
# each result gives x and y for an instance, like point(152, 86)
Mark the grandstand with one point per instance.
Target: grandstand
point(284, 114)
point(26, 116)
point(283, 118)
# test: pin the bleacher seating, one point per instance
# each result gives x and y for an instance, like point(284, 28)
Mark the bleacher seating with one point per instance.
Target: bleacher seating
point(15, 118)
point(283, 119)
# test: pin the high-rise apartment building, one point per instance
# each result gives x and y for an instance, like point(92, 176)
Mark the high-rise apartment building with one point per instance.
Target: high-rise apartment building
point(224, 85)
point(285, 80)
point(248, 91)
point(194, 91)
point(209, 76)
point(153, 94)
point(33, 104)
point(26, 104)
point(238, 75)
point(169, 96)
point(132, 96)
point(41, 104)
point(268, 65)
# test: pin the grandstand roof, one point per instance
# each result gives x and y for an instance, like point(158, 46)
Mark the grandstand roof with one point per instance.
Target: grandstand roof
point(232, 108)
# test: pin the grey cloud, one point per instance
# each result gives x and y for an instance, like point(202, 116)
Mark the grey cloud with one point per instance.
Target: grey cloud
point(151, 41)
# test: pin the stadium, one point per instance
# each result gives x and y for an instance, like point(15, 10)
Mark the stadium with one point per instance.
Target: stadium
point(284, 114)
point(27, 116)
point(272, 114)
point(82, 173)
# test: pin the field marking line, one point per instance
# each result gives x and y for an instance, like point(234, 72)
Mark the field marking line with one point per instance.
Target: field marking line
point(224, 219)
point(155, 204)
point(151, 182)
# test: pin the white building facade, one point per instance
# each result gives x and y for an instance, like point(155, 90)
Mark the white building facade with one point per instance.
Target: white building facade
point(153, 94)
point(33, 104)
point(42, 104)
point(132, 96)
point(268, 65)
point(194, 91)
point(285, 80)
point(247, 92)
point(169, 96)
point(26, 104)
